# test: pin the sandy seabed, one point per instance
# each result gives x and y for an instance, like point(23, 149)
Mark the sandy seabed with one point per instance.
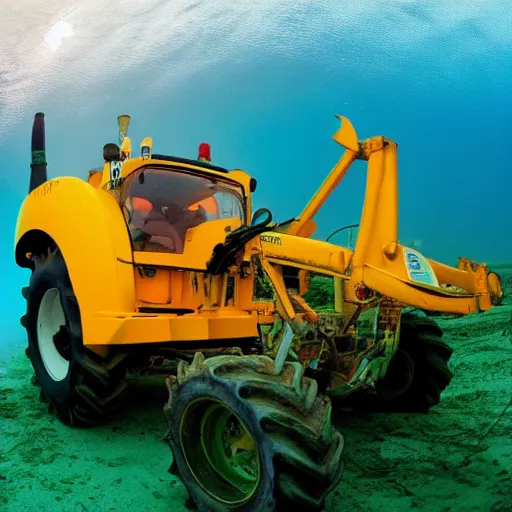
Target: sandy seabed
point(456, 458)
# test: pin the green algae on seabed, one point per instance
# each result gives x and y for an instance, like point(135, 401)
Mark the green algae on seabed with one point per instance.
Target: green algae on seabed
point(45, 466)
point(8, 410)
point(457, 458)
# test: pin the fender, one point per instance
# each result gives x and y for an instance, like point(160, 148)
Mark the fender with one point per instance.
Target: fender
point(89, 228)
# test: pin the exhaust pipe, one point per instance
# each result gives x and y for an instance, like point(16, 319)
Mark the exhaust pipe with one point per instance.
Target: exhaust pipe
point(38, 174)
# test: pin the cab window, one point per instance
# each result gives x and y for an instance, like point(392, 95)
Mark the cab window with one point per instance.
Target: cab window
point(160, 205)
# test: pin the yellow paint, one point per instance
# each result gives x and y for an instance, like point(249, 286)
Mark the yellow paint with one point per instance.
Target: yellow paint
point(155, 289)
point(305, 253)
point(94, 178)
point(112, 328)
point(88, 227)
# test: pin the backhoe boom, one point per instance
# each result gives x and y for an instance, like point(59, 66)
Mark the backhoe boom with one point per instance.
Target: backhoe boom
point(379, 261)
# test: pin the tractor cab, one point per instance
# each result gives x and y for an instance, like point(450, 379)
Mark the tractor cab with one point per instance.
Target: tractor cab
point(165, 208)
point(177, 210)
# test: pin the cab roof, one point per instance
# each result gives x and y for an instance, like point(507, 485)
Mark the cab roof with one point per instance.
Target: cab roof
point(188, 161)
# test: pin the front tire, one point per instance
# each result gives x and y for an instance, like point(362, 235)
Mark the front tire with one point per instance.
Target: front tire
point(246, 440)
point(80, 387)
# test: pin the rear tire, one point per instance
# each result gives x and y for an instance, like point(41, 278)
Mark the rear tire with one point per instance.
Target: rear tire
point(79, 386)
point(418, 372)
point(294, 451)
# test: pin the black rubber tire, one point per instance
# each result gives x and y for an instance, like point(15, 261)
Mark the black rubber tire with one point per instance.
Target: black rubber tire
point(422, 351)
point(299, 449)
point(93, 386)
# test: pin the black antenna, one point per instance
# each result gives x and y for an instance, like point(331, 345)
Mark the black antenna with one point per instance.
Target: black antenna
point(38, 164)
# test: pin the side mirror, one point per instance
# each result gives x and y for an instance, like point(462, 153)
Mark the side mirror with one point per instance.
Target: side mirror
point(261, 217)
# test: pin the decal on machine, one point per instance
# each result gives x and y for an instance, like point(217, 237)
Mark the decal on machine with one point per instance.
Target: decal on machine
point(115, 173)
point(45, 189)
point(271, 239)
point(418, 268)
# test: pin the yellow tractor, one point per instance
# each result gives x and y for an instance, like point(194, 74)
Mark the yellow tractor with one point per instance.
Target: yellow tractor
point(156, 258)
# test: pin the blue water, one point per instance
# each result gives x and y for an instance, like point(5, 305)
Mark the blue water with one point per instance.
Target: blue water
point(261, 82)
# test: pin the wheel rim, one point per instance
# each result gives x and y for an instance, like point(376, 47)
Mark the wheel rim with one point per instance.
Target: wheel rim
point(50, 319)
point(398, 378)
point(220, 452)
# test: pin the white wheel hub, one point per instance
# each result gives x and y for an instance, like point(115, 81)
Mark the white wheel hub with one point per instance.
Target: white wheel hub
point(49, 320)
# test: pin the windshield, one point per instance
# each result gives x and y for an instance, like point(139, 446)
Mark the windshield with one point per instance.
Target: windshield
point(160, 205)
